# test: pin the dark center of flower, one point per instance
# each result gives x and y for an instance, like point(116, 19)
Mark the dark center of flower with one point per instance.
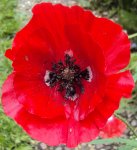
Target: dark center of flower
point(68, 77)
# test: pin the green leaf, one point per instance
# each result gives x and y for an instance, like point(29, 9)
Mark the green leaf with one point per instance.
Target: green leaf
point(126, 147)
point(128, 20)
point(84, 3)
point(22, 147)
point(116, 140)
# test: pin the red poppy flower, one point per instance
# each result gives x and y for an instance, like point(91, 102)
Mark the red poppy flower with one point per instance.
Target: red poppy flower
point(66, 80)
point(113, 128)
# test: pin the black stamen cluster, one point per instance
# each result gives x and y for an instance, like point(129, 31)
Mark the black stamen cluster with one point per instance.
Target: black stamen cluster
point(68, 77)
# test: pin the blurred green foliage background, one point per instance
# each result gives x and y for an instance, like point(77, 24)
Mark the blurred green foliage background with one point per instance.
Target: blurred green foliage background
point(11, 136)
point(123, 11)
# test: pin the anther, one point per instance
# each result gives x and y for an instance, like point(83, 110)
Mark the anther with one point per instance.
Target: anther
point(68, 77)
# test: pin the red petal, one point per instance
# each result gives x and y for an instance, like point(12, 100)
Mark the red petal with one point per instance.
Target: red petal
point(106, 108)
point(59, 131)
point(10, 105)
point(52, 132)
point(32, 62)
point(86, 104)
point(51, 20)
point(64, 15)
point(120, 84)
point(85, 49)
point(37, 97)
point(113, 128)
point(34, 45)
point(114, 43)
point(87, 53)
point(56, 20)
point(8, 54)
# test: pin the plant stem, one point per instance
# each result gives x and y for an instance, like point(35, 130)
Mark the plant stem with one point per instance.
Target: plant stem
point(127, 124)
point(132, 35)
